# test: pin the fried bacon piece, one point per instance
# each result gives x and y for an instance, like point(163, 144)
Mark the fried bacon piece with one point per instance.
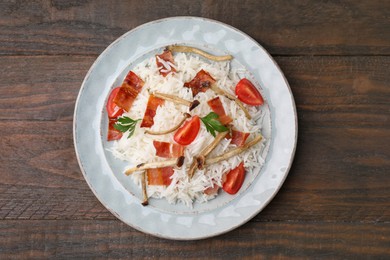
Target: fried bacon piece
point(168, 150)
point(216, 105)
point(212, 190)
point(160, 176)
point(200, 83)
point(238, 138)
point(150, 112)
point(165, 63)
point(113, 133)
point(128, 91)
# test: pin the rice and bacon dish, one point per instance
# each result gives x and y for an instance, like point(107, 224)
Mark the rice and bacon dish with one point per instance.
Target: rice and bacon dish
point(186, 123)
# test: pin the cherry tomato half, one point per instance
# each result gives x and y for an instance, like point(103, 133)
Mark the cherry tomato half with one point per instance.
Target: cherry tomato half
point(248, 93)
point(188, 131)
point(113, 110)
point(234, 179)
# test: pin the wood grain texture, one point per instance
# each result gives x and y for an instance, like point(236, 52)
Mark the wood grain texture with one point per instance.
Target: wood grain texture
point(113, 239)
point(329, 91)
point(332, 179)
point(335, 202)
point(41, 88)
point(343, 133)
point(300, 27)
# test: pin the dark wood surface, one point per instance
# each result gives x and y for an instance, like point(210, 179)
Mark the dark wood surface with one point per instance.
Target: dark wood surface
point(335, 202)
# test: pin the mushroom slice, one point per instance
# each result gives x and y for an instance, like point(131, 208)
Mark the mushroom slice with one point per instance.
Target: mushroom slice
point(198, 161)
point(180, 48)
point(144, 192)
point(144, 166)
point(208, 149)
point(234, 151)
point(186, 115)
point(178, 100)
point(231, 97)
point(192, 168)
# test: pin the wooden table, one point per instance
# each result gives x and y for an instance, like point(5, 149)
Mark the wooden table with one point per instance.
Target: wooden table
point(335, 202)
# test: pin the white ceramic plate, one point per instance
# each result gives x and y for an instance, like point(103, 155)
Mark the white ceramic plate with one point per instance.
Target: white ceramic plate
point(104, 174)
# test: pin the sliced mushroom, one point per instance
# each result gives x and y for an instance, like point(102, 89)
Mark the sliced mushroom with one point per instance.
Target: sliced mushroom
point(192, 168)
point(186, 115)
point(198, 161)
point(151, 165)
point(231, 97)
point(178, 100)
point(144, 192)
point(180, 48)
point(208, 149)
point(234, 151)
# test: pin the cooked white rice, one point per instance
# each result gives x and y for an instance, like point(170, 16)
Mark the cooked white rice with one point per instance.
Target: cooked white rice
point(139, 148)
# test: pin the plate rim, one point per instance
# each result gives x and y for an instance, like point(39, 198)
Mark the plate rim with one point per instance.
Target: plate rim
point(238, 223)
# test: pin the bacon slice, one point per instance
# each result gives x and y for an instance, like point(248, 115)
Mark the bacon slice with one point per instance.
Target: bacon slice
point(168, 150)
point(211, 190)
point(160, 176)
point(129, 90)
point(216, 105)
point(200, 83)
point(165, 61)
point(238, 138)
point(150, 111)
point(113, 133)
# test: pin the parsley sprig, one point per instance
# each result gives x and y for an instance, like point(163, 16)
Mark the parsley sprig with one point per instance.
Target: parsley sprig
point(125, 124)
point(213, 124)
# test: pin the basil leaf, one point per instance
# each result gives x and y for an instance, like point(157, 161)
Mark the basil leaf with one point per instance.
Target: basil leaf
point(126, 120)
point(213, 124)
point(125, 124)
point(120, 127)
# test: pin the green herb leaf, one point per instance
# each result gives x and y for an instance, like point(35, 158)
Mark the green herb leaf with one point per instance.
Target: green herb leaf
point(125, 124)
point(213, 124)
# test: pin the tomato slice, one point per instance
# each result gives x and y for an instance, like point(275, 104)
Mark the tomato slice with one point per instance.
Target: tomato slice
point(187, 133)
point(160, 176)
point(113, 110)
point(248, 93)
point(234, 179)
point(113, 133)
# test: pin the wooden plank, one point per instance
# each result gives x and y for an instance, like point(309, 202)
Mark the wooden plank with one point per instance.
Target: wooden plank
point(40, 177)
point(300, 27)
point(113, 239)
point(329, 91)
point(41, 88)
point(339, 91)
